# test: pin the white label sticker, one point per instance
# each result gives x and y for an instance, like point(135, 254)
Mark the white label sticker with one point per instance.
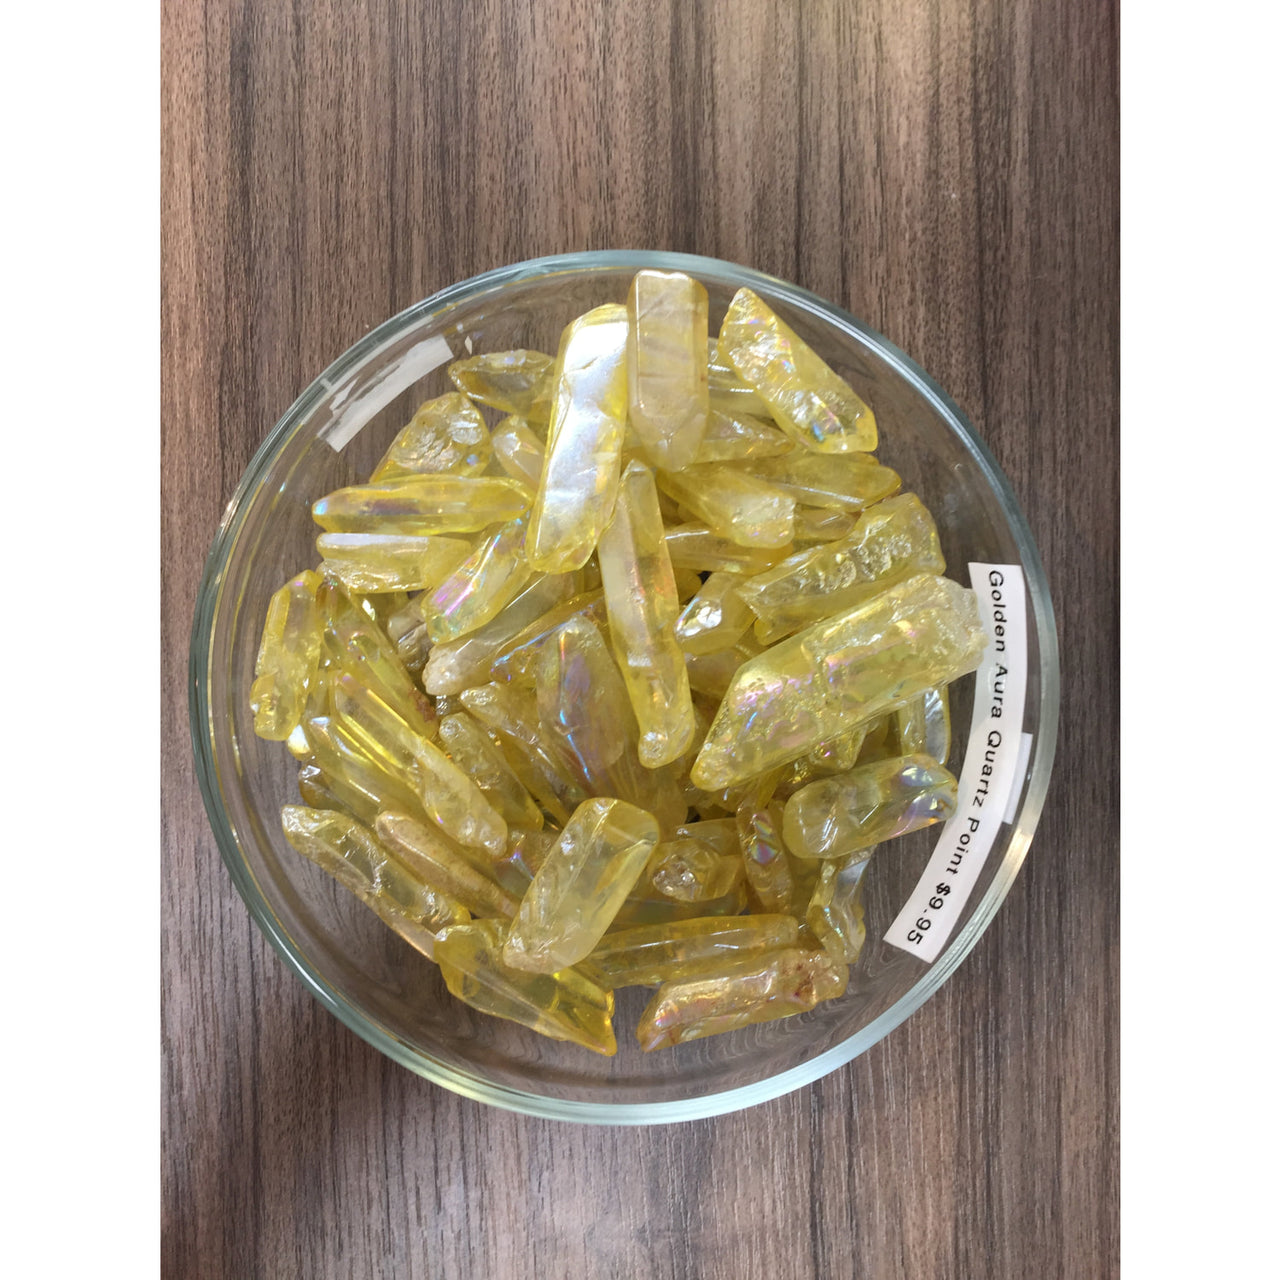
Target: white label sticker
point(991, 768)
point(351, 418)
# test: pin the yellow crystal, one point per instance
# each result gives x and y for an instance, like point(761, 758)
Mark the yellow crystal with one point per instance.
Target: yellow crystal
point(640, 592)
point(446, 434)
point(579, 480)
point(838, 674)
point(835, 914)
point(454, 665)
point(924, 725)
point(517, 382)
point(288, 658)
point(562, 1006)
point(814, 405)
point(319, 791)
point(422, 505)
point(510, 716)
point(390, 561)
point(715, 618)
point(850, 483)
point(731, 437)
point(694, 546)
point(689, 870)
point(667, 366)
point(482, 585)
point(764, 855)
point(661, 910)
point(471, 750)
point(653, 954)
point(823, 524)
point(735, 505)
point(751, 989)
point(519, 452)
point(891, 541)
point(353, 856)
point(726, 391)
point(437, 862)
point(518, 658)
point(857, 810)
point(578, 889)
point(359, 647)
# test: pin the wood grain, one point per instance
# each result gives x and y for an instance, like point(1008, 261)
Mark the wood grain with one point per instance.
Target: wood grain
point(948, 172)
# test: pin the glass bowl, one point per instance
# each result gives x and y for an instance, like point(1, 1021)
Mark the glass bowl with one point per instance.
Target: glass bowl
point(385, 991)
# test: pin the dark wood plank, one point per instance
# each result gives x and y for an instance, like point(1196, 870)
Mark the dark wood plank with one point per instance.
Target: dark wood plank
point(949, 173)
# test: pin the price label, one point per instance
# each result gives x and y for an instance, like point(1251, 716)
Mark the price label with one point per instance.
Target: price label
point(995, 764)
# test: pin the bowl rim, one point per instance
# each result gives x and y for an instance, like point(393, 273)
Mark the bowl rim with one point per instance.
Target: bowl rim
point(604, 1112)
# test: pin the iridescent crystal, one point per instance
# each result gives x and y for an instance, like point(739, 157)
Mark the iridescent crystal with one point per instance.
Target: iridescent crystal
point(288, 657)
point(518, 382)
point(653, 954)
point(808, 399)
point(562, 1006)
point(437, 862)
point(390, 561)
point(471, 750)
point(482, 585)
point(353, 856)
point(874, 802)
point(519, 452)
point(838, 674)
point(835, 914)
point(924, 725)
point(715, 618)
point(422, 505)
point(851, 483)
point(454, 665)
point(578, 889)
point(666, 366)
point(694, 546)
point(579, 480)
point(510, 716)
point(891, 541)
point(734, 504)
point(742, 991)
point(640, 592)
point(446, 434)
point(731, 437)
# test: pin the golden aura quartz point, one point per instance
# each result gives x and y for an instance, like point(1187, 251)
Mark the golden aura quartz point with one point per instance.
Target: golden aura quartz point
point(834, 676)
point(564, 1006)
point(288, 658)
point(446, 434)
point(732, 437)
point(577, 891)
point(469, 747)
point(924, 725)
point(857, 810)
point(849, 482)
point(482, 585)
point(462, 663)
point(738, 993)
point(640, 593)
point(734, 504)
point(667, 366)
point(378, 562)
point(358, 861)
point(514, 382)
point(716, 618)
point(438, 863)
point(652, 954)
point(580, 470)
point(890, 541)
point(422, 505)
point(810, 402)
point(519, 452)
point(835, 914)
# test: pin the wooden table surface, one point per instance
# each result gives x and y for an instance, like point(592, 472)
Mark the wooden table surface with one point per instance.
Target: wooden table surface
point(947, 172)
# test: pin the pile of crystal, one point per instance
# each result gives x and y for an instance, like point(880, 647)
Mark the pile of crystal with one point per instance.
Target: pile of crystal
point(618, 671)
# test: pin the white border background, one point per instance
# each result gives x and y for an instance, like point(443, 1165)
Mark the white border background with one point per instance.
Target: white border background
point(80, 97)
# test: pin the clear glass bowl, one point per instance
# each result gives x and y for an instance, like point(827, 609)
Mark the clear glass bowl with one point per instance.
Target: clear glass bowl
point(381, 988)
